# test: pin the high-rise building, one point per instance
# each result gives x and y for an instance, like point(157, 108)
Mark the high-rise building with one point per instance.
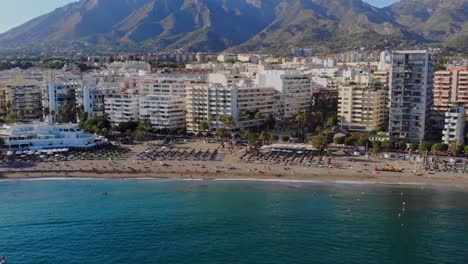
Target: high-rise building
point(294, 90)
point(208, 103)
point(451, 86)
point(163, 111)
point(22, 98)
point(58, 94)
point(122, 107)
point(410, 95)
point(363, 107)
point(454, 129)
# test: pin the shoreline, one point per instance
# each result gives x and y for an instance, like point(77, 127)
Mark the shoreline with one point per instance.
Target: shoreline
point(318, 178)
point(230, 166)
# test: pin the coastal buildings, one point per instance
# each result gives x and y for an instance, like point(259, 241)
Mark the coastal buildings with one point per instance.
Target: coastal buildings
point(208, 104)
point(454, 130)
point(167, 84)
point(254, 105)
point(294, 90)
point(325, 101)
point(410, 95)
point(363, 107)
point(92, 100)
point(163, 111)
point(22, 98)
point(45, 136)
point(450, 86)
point(122, 107)
point(56, 95)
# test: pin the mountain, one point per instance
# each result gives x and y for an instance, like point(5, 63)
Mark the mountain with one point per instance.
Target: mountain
point(242, 25)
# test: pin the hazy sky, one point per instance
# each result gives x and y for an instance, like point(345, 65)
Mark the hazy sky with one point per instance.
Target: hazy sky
point(15, 12)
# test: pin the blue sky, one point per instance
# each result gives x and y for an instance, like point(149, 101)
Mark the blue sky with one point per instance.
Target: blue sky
point(16, 12)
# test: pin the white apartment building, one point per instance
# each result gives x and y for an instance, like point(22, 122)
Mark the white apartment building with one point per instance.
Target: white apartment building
point(364, 108)
point(167, 84)
point(129, 67)
point(45, 136)
point(122, 107)
point(294, 87)
point(226, 57)
point(163, 111)
point(56, 95)
point(92, 99)
point(454, 130)
point(207, 103)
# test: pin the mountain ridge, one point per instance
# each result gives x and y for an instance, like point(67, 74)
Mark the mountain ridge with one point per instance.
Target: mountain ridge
point(243, 25)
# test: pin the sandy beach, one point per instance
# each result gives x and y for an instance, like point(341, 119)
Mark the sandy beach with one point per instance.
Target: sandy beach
point(229, 166)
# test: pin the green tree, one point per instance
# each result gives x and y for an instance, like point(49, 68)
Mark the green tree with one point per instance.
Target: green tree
point(351, 140)
point(98, 125)
point(339, 140)
point(258, 117)
point(401, 145)
point(301, 120)
point(425, 147)
point(413, 147)
point(332, 121)
point(454, 149)
point(221, 133)
point(363, 141)
point(204, 127)
point(11, 118)
point(376, 147)
point(387, 145)
point(264, 137)
point(229, 121)
point(67, 114)
point(273, 137)
point(128, 127)
point(251, 138)
point(466, 150)
point(320, 141)
point(439, 148)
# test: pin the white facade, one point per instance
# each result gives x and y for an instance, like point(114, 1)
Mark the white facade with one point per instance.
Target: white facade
point(92, 99)
point(163, 111)
point(167, 84)
point(56, 95)
point(454, 130)
point(295, 90)
point(44, 136)
point(122, 107)
point(207, 103)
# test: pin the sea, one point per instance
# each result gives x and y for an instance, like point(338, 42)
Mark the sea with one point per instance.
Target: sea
point(162, 221)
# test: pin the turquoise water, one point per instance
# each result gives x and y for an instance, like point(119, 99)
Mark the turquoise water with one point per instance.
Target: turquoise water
point(57, 221)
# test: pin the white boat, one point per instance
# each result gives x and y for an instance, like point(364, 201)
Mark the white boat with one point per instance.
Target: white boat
point(3, 260)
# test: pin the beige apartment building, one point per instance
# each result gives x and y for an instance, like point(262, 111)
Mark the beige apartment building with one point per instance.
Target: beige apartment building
point(363, 107)
point(22, 98)
point(211, 103)
point(450, 86)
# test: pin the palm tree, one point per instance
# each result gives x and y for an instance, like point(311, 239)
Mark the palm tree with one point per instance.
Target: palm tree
point(301, 120)
point(229, 121)
point(341, 119)
point(454, 149)
point(258, 116)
